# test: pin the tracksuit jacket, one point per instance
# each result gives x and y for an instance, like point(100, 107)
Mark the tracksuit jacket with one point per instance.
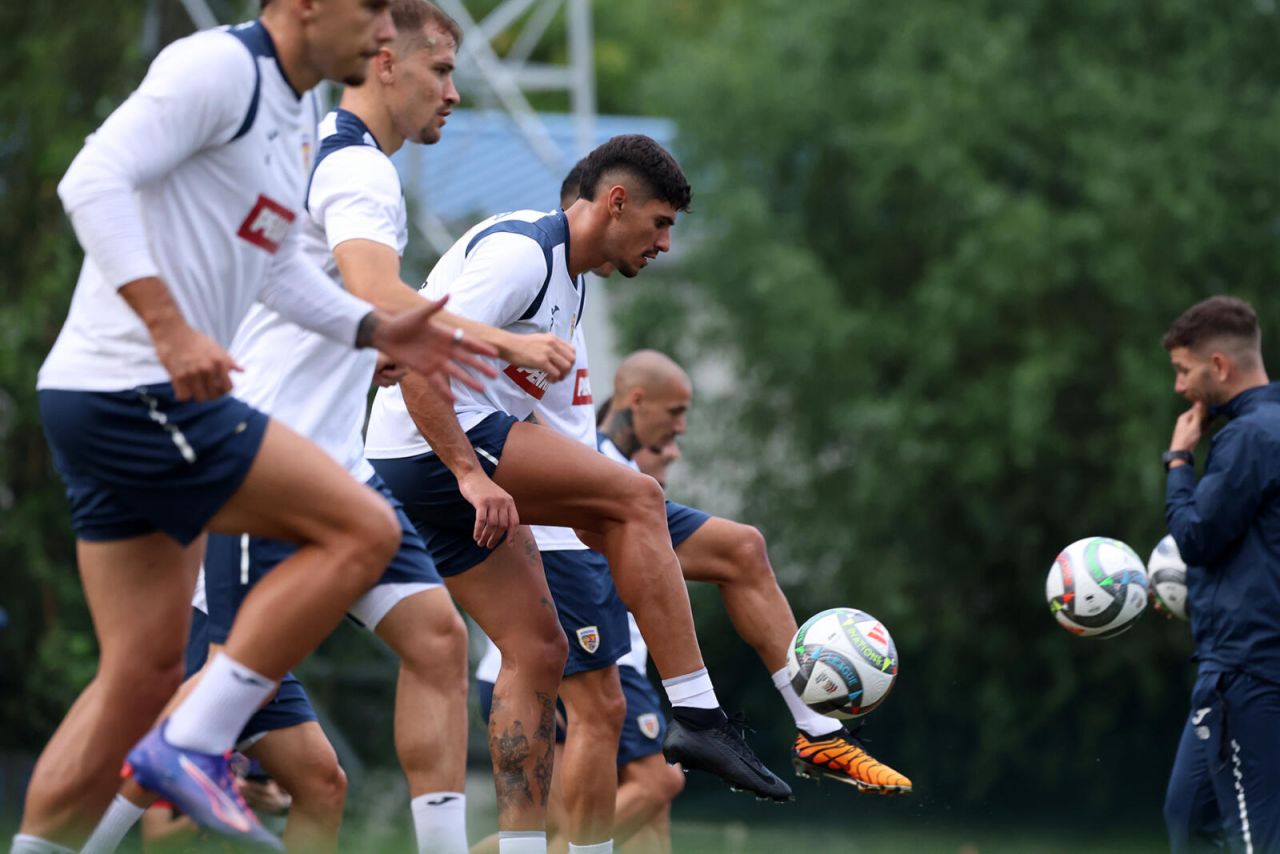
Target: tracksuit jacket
point(1227, 527)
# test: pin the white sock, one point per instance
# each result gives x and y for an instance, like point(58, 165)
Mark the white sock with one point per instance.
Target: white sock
point(522, 842)
point(693, 690)
point(24, 844)
point(120, 816)
point(440, 821)
point(210, 719)
point(806, 718)
point(605, 847)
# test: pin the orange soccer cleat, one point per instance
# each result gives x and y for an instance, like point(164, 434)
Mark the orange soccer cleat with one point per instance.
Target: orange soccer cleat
point(841, 756)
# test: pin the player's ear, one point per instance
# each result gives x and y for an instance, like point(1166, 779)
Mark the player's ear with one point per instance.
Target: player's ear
point(305, 9)
point(384, 65)
point(617, 200)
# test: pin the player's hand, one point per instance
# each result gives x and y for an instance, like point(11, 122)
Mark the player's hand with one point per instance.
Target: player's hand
point(388, 372)
point(197, 365)
point(439, 354)
point(541, 351)
point(1187, 429)
point(495, 510)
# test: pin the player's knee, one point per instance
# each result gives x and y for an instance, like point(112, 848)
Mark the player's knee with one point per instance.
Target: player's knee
point(149, 679)
point(439, 648)
point(367, 541)
point(670, 782)
point(324, 790)
point(600, 708)
point(641, 496)
point(750, 555)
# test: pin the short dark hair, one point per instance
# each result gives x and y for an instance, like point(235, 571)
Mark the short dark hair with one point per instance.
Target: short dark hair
point(642, 159)
point(571, 183)
point(1214, 319)
point(410, 16)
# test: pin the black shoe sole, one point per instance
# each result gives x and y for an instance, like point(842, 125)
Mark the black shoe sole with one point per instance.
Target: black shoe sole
point(689, 765)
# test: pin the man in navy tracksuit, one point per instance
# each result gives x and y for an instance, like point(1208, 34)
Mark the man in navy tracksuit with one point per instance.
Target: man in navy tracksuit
point(1226, 777)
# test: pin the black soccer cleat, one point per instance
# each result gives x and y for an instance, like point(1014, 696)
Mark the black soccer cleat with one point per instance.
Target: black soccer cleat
point(721, 750)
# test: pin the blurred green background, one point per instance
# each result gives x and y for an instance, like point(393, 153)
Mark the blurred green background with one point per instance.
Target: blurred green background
point(936, 247)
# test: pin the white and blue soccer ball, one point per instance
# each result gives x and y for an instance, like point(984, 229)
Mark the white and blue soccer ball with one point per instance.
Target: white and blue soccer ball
point(842, 663)
point(1097, 587)
point(1167, 576)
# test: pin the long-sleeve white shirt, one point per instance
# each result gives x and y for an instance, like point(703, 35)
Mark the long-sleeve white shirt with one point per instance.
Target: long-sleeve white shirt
point(197, 178)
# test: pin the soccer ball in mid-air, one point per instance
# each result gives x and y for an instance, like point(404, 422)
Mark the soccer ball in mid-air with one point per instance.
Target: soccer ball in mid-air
point(1167, 575)
point(842, 663)
point(1097, 587)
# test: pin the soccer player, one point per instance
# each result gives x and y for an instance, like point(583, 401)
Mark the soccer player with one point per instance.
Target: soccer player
point(520, 271)
point(651, 399)
point(184, 201)
point(1226, 774)
point(284, 736)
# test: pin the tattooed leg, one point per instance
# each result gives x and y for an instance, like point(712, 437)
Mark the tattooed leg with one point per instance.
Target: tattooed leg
point(507, 595)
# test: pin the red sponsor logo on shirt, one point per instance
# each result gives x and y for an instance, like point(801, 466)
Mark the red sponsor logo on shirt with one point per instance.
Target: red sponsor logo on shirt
point(534, 383)
point(267, 224)
point(581, 388)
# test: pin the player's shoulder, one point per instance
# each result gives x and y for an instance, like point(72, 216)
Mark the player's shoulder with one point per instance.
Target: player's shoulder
point(211, 63)
point(521, 229)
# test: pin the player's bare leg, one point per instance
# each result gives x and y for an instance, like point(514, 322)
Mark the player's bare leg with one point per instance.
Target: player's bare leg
point(646, 788)
point(303, 762)
point(507, 596)
point(734, 558)
point(140, 665)
point(557, 481)
point(588, 774)
point(427, 633)
point(347, 535)
point(622, 513)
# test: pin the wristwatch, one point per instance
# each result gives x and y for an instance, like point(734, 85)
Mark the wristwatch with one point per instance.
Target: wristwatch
point(1169, 456)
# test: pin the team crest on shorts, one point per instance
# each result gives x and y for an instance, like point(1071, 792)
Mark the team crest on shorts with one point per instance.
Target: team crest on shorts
point(649, 724)
point(589, 638)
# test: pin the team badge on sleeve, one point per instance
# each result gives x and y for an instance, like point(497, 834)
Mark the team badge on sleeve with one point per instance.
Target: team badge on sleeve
point(589, 638)
point(649, 724)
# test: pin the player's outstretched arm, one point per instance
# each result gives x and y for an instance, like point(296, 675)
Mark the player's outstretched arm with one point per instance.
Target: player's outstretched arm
point(198, 368)
point(414, 340)
point(371, 271)
point(438, 423)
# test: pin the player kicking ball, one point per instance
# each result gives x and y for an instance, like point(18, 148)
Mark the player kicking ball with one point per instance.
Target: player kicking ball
point(185, 202)
point(648, 410)
point(519, 272)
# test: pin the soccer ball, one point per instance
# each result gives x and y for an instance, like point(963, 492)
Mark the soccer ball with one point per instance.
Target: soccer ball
point(1167, 575)
point(842, 663)
point(1097, 587)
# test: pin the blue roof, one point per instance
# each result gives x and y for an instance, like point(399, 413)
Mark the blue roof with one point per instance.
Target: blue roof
point(483, 165)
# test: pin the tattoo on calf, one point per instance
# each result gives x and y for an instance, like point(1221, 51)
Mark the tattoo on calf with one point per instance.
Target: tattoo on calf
point(545, 734)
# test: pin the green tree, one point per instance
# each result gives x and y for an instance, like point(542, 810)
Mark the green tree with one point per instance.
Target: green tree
point(62, 76)
point(935, 247)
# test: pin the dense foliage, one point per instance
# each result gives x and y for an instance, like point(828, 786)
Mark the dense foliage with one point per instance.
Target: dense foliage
point(935, 247)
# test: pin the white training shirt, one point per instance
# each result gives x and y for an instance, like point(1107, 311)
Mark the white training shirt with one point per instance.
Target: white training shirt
point(509, 271)
point(197, 178)
point(568, 409)
point(316, 386)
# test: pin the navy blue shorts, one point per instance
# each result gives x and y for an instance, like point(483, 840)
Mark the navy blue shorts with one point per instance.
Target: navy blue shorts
point(591, 614)
point(484, 692)
point(445, 519)
point(233, 564)
point(683, 521)
point(1225, 783)
point(645, 726)
point(289, 707)
point(135, 462)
